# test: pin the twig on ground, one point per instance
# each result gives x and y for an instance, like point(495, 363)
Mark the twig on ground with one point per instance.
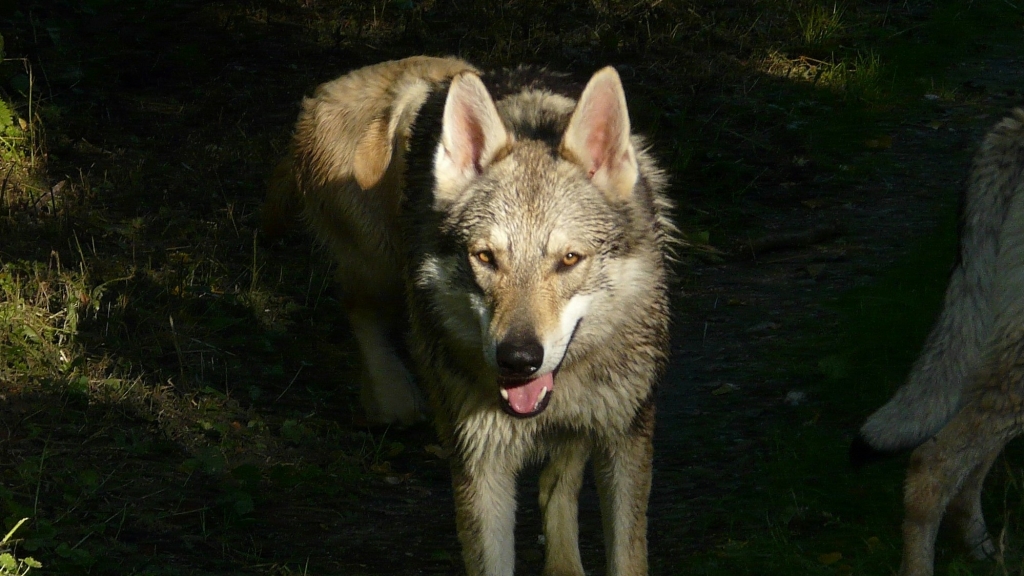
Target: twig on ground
point(790, 240)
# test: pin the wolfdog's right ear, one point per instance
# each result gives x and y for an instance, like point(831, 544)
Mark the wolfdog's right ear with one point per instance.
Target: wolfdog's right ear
point(373, 153)
point(472, 136)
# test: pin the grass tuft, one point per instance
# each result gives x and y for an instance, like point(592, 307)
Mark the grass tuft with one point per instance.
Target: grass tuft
point(10, 565)
point(40, 310)
point(822, 25)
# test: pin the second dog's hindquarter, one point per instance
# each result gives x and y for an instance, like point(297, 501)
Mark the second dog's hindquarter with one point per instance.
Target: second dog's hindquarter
point(968, 383)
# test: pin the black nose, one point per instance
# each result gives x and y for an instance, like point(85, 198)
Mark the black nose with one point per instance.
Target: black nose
point(519, 356)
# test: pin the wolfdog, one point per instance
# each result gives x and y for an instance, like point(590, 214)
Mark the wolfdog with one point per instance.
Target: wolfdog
point(529, 230)
point(964, 398)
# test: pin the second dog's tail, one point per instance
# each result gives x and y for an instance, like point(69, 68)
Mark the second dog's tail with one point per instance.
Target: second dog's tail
point(933, 391)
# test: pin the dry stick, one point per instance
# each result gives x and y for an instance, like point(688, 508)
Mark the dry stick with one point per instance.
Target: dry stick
point(31, 119)
point(253, 280)
point(3, 188)
point(39, 481)
point(177, 349)
point(790, 240)
point(13, 530)
point(294, 378)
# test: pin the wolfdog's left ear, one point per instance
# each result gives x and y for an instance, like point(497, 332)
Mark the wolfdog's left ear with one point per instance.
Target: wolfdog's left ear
point(598, 135)
point(472, 135)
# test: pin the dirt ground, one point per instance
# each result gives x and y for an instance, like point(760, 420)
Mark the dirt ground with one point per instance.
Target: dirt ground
point(177, 128)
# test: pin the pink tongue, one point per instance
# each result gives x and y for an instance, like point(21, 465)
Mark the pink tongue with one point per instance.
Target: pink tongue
point(523, 398)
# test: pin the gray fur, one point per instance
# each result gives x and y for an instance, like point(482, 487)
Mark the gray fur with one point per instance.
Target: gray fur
point(947, 472)
point(508, 207)
point(952, 353)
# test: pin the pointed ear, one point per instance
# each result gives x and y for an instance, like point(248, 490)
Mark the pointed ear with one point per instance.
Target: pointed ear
point(598, 135)
point(373, 154)
point(472, 135)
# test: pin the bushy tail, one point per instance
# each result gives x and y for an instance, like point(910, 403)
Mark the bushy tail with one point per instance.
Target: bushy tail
point(283, 205)
point(933, 391)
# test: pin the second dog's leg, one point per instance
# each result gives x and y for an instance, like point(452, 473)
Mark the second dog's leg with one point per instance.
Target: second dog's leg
point(389, 394)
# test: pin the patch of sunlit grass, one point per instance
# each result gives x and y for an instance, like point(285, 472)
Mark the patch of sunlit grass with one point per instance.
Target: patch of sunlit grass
point(856, 76)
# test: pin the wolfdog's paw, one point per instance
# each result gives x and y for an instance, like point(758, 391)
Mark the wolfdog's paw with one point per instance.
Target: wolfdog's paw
point(975, 534)
point(390, 396)
point(983, 550)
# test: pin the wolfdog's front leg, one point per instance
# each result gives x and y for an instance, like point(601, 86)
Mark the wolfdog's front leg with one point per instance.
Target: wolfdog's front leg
point(559, 500)
point(623, 472)
point(485, 515)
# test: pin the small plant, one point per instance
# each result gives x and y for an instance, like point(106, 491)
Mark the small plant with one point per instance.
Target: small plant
point(19, 134)
point(13, 135)
point(863, 79)
point(822, 24)
point(9, 564)
point(40, 308)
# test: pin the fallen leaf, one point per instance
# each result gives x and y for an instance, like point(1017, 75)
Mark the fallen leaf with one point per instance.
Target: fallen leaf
point(795, 398)
point(725, 389)
point(762, 327)
point(438, 451)
point(881, 143)
point(830, 558)
point(873, 544)
point(814, 419)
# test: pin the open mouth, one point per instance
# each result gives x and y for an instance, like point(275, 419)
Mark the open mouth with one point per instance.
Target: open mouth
point(526, 398)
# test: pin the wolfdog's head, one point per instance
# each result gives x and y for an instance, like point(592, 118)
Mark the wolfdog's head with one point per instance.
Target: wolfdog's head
point(551, 247)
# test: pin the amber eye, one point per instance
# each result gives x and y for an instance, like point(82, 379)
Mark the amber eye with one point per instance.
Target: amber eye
point(485, 257)
point(570, 259)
